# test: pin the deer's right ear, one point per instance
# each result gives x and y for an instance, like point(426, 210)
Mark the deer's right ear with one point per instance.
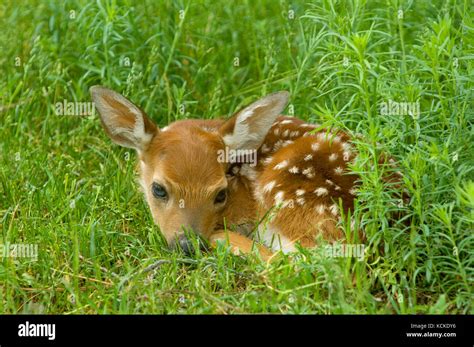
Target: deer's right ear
point(125, 123)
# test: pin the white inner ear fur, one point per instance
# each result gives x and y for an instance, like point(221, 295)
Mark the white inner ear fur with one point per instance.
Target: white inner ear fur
point(136, 135)
point(269, 108)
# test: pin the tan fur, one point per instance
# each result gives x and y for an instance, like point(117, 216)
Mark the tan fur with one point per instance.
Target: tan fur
point(296, 189)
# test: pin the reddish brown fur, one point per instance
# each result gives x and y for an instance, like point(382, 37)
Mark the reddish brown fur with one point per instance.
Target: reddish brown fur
point(301, 179)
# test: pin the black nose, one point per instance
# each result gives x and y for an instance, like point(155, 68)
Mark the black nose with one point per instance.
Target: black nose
point(186, 245)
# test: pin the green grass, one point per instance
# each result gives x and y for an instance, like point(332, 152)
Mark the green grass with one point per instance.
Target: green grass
point(340, 60)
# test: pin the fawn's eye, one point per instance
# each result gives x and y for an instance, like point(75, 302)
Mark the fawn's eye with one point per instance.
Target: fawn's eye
point(158, 191)
point(221, 197)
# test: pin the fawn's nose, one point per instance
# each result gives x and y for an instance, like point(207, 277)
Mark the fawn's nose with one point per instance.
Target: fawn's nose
point(187, 246)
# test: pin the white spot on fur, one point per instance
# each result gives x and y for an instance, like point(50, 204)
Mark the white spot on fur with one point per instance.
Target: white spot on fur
point(300, 201)
point(308, 157)
point(346, 156)
point(286, 121)
point(333, 157)
point(320, 208)
point(295, 133)
point(267, 188)
point(273, 239)
point(247, 171)
point(258, 195)
point(300, 192)
point(281, 165)
point(285, 133)
point(278, 144)
point(277, 131)
point(338, 170)
point(279, 197)
point(308, 172)
point(322, 137)
point(346, 147)
point(294, 170)
point(321, 191)
point(315, 146)
point(334, 209)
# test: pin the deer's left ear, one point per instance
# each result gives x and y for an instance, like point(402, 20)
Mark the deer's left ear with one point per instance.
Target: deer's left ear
point(248, 127)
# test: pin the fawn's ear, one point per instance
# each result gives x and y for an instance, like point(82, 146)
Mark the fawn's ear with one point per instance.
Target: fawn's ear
point(248, 127)
point(125, 123)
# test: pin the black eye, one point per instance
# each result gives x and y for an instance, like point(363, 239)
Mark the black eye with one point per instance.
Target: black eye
point(159, 191)
point(221, 196)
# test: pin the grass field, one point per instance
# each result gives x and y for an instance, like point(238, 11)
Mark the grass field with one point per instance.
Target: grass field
point(67, 189)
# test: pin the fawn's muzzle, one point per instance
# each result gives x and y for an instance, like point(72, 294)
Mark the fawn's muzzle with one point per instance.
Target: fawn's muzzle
point(188, 246)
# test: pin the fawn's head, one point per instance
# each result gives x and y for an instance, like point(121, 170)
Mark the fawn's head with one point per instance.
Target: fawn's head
point(184, 181)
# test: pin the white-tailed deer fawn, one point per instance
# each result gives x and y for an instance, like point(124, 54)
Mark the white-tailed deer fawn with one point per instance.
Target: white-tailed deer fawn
point(195, 177)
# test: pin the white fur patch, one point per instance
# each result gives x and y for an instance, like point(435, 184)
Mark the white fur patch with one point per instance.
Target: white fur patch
point(242, 136)
point(321, 191)
point(274, 240)
point(281, 165)
point(279, 197)
point(249, 172)
point(308, 172)
point(295, 133)
point(320, 208)
point(278, 144)
point(294, 170)
point(300, 201)
point(267, 188)
point(322, 137)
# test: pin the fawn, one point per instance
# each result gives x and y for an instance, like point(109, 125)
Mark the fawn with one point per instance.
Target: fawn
point(300, 179)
